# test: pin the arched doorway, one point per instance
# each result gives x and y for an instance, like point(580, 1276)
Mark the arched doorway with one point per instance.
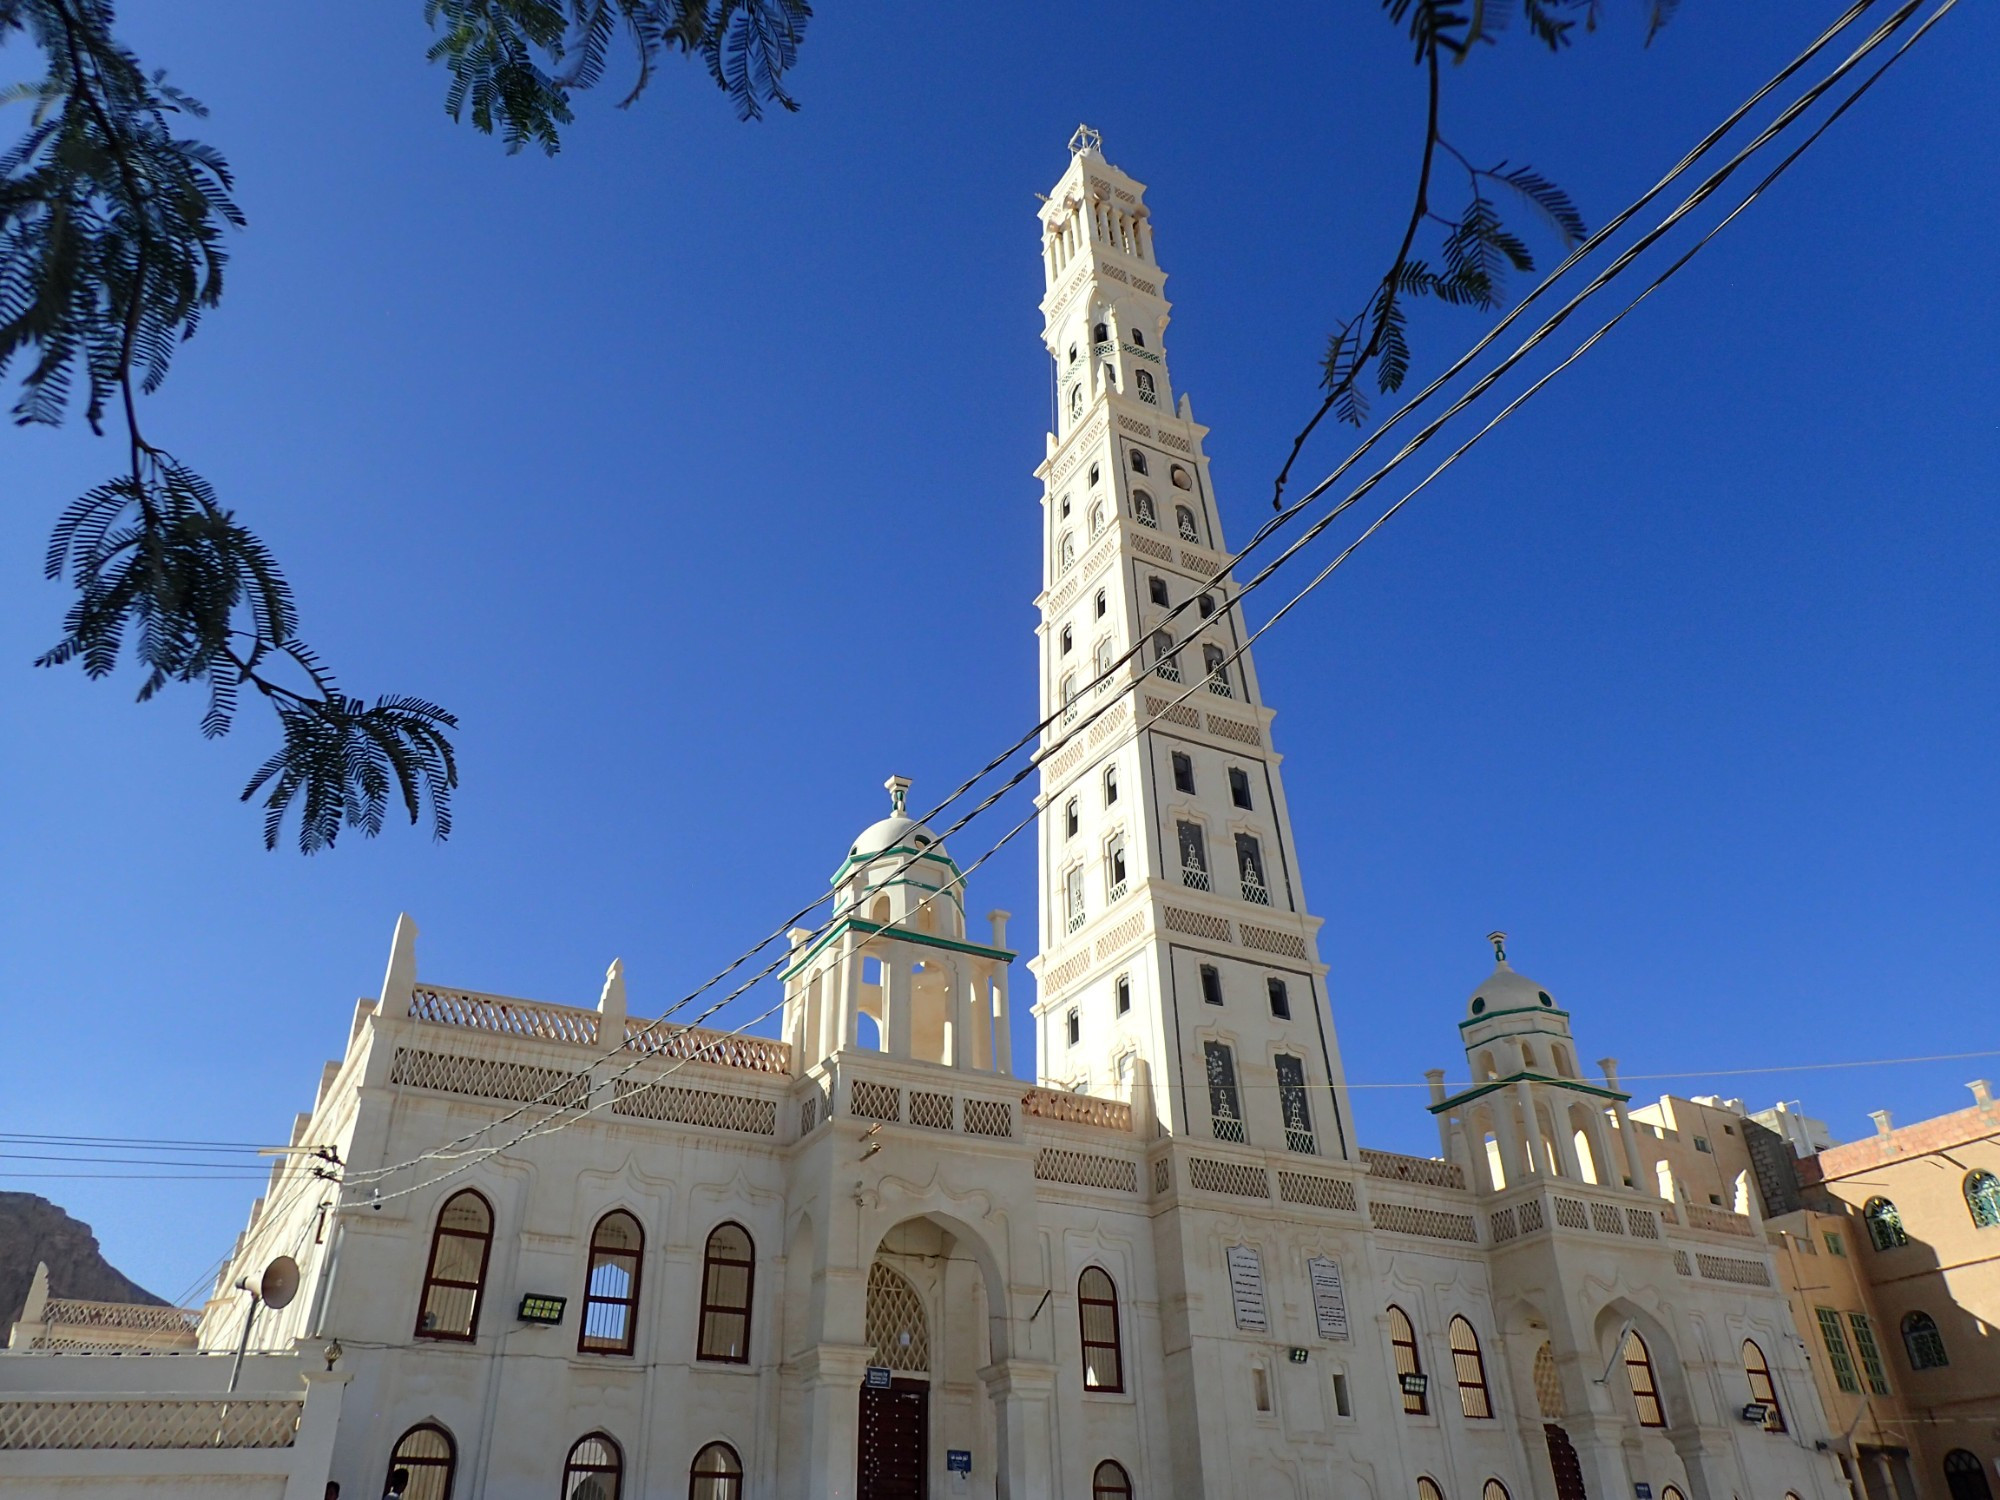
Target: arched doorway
point(893, 1452)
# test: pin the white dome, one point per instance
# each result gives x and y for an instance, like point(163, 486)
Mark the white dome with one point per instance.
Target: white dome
point(1503, 989)
point(890, 833)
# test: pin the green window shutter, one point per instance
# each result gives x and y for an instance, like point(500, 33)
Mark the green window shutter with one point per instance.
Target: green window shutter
point(1834, 1336)
point(1871, 1353)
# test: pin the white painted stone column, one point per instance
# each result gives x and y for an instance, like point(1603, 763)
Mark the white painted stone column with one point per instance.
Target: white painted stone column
point(319, 1420)
point(1565, 1143)
point(832, 1375)
point(958, 1013)
point(850, 992)
point(896, 1001)
point(1531, 1130)
point(1022, 1392)
point(1626, 1130)
point(1003, 1042)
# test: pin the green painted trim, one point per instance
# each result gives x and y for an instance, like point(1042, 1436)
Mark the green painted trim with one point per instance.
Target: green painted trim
point(874, 929)
point(1500, 1083)
point(947, 892)
point(858, 859)
point(1519, 1010)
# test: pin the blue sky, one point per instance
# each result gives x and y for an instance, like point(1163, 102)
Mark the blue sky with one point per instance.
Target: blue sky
point(694, 470)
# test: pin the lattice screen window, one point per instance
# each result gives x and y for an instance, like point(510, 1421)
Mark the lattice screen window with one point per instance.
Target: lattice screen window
point(897, 1325)
point(1548, 1383)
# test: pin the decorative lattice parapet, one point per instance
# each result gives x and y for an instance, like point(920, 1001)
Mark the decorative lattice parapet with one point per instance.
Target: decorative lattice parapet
point(1316, 1191)
point(1431, 1223)
point(720, 1049)
point(149, 1422)
point(1428, 1170)
point(484, 1078)
point(1086, 1169)
point(1077, 1109)
point(1718, 1221)
point(684, 1106)
point(493, 1013)
point(133, 1316)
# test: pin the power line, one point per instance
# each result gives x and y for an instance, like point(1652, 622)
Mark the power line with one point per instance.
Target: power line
point(1701, 194)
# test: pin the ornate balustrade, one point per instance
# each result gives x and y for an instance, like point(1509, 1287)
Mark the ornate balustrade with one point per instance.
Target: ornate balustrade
point(1077, 1109)
point(547, 1023)
point(720, 1049)
point(137, 1317)
point(1427, 1170)
point(1718, 1221)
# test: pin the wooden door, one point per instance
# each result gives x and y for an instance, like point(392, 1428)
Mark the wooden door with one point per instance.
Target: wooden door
point(894, 1451)
point(1563, 1460)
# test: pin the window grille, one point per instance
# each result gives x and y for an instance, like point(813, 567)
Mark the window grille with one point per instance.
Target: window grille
point(728, 1272)
point(1871, 1353)
point(611, 1286)
point(1409, 1362)
point(1763, 1389)
point(1645, 1388)
point(1885, 1225)
point(1474, 1400)
point(593, 1469)
point(1834, 1335)
point(455, 1280)
point(1225, 1106)
point(1194, 857)
point(428, 1460)
point(1097, 1313)
point(1250, 870)
point(1982, 1199)
point(716, 1474)
point(1293, 1104)
point(1923, 1343)
point(897, 1325)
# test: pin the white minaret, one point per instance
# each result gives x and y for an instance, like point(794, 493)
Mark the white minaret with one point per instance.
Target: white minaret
point(1178, 962)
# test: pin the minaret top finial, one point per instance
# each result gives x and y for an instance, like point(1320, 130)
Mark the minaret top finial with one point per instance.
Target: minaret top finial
point(1499, 942)
point(899, 794)
point(1085, 140)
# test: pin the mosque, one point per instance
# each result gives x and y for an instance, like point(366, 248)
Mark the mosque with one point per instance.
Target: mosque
point(579, 1253)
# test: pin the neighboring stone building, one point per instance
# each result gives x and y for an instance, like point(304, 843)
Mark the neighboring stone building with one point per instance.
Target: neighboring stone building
point(583, 1254)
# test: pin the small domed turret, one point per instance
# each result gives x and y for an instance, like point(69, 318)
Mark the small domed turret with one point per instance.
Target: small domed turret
point(1503, 989)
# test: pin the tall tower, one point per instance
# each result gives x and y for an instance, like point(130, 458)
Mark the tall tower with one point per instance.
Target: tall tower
point(1179, 965)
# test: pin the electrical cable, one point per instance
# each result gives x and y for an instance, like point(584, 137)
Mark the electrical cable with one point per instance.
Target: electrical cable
point(1700, 195)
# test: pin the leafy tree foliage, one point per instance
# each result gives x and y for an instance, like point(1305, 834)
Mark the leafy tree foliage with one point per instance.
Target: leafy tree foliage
point(1476, 246)
point(112, 247)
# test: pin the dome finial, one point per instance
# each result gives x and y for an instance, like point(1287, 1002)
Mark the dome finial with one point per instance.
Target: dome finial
point(899, 794)
point(1499, 942)
point(1085, 140)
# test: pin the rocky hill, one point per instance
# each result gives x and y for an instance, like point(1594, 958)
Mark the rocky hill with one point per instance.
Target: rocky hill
point(33, 1229)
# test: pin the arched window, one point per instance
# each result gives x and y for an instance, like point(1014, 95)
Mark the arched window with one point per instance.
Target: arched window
point(1163, 657)
point(1885, 1225)
point(1097, 1311)
point(1403, 1341)
point(1095, 473)
point(1182, 480)
point(1473, 1397)
point(611, 1288)
point(1068, 691)
point(1212, 660)
point(1427, 1488)
point(1965, 1476)
point(593, 1469)
point(1110, 1482)
point(1645, 1389)
point(1548, 1383)
point(456, 1277)
point(728, 1269)
point(1076, 401)
point(1065, 639)
point(1672, 1493)
point(1066, 552)
point(1101, 661)
point(1923, 1343)
point(1143, 379)
point(1142, 509)
point(1101, 333)
point(1138, 339)
point(1097, 518)
point(1138, 461)
point(1184, 518)
point(1100, 604)
point(425, 1458)
point(1763, 1389)
point(1494, 1490)
point(1110, 785)
point(716, 1474)
point(1982, 1197)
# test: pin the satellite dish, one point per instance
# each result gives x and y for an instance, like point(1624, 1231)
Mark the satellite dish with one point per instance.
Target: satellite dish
point(280, 1283)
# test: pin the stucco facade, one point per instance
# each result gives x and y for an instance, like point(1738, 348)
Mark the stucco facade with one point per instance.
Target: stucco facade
point(576, 1252)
